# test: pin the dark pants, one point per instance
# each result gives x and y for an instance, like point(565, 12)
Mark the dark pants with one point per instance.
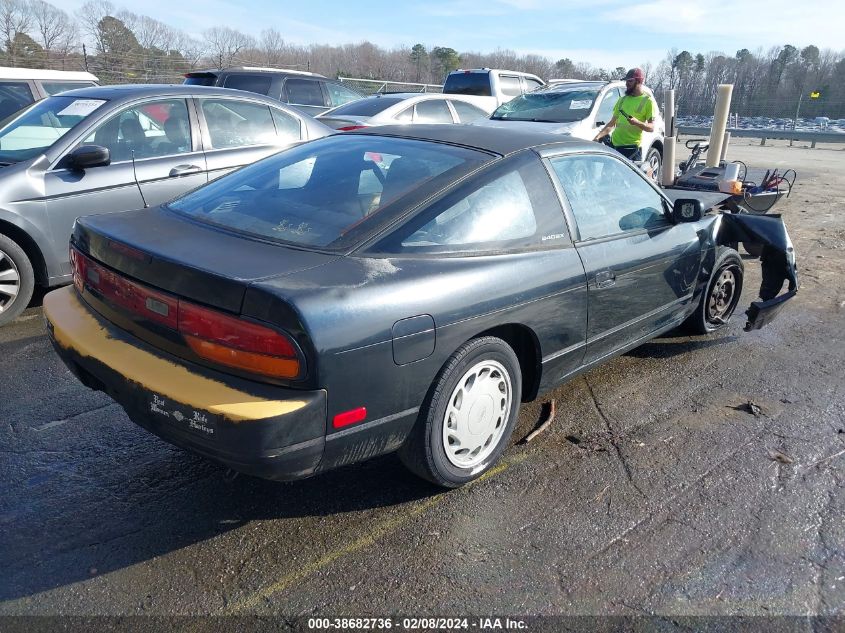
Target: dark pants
point(631, 152)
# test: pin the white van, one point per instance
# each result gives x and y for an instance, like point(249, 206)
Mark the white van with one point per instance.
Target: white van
point(21, 86)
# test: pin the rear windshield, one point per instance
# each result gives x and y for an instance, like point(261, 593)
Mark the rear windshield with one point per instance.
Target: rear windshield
point(200, 80)
point(556, 105)
point(369, 106)
point(324, 193)
point(468, 84)
point(33, 130)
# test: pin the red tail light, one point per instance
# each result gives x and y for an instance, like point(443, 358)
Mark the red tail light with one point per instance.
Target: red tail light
point(237, 343)
point(349, 128)
point(212, 335)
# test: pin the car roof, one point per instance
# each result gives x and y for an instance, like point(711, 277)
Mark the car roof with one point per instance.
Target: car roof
point(496, 140)
point(133, 91)
point(254, 69)
point(45, 75)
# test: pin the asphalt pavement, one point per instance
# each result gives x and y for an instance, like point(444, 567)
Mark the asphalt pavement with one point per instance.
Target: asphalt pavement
point(694, 476)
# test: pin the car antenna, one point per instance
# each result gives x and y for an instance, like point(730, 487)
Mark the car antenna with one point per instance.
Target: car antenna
point(135, 176)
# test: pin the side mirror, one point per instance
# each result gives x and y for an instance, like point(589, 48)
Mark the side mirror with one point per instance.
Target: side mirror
point(686, 210)
point(88, 156)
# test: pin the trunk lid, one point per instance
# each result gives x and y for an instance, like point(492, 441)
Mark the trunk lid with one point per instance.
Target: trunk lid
point(199, 262)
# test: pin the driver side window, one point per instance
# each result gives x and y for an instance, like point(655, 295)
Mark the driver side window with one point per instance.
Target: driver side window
point(605, 111)
point(160, 128)
point(607, 196)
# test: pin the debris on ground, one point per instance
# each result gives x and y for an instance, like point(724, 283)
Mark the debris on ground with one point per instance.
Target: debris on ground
point(749, 407)
point(777, 456)
point(550, 415)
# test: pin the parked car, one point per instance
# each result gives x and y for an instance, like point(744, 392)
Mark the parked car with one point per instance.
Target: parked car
point(388, 289)
point(408, 107)
point(117, 148)
point(309, 92)
point(21, 86)
point(493, 85)
point(579, 109)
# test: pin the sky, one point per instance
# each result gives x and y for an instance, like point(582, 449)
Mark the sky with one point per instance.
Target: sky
point(603, 33)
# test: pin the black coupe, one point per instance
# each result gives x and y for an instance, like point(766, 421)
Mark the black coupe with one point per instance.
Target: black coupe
point(394, 289)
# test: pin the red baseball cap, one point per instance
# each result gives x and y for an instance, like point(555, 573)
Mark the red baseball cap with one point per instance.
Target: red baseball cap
point(635, 73)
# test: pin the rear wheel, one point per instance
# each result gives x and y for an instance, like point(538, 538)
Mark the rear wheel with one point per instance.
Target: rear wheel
point(722, 295)
point(17, 280)
point(468, 416)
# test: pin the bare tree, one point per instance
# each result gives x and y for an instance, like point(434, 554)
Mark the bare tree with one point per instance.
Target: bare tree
point(56, 32)
point(15, 17)
point(224, 44)
point(272, 47)
point(90, 15)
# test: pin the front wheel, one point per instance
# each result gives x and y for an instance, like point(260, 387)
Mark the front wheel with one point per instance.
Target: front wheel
point(17, 280)
point(468, 416)
point(653, 162)
point(722, 295)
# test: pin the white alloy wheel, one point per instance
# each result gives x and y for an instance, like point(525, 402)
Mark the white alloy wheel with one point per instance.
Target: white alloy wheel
point(10, 281)
point(477, 414)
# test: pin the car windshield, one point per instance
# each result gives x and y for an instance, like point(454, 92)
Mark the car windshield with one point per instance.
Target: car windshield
point(557, 105)
point(33, 130)
point(324, 193)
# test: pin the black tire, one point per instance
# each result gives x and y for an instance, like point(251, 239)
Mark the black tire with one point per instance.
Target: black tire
point(655, 161)
point(486, 359)
point(17, 281)
point(722, 295)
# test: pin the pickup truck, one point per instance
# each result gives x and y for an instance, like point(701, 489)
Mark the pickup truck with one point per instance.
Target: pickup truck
point(492, 86)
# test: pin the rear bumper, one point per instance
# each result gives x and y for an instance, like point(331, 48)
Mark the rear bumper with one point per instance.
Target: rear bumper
point(262, 430)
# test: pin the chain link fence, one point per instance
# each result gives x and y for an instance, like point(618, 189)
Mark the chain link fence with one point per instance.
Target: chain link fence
point(374, 86)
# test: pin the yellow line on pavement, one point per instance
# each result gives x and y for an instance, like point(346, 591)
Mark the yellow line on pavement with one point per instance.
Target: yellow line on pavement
point(378, 532)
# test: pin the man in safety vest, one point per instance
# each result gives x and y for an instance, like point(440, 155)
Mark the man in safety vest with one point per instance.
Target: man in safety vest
point(633, 114)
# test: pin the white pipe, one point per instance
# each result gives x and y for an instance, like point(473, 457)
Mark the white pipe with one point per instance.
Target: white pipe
point(725, 141)
point(668, 168)
point(720, 123)
point(669, 112)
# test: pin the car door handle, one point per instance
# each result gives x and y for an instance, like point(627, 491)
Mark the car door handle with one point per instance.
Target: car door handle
point(605, 279)
point(184, 170)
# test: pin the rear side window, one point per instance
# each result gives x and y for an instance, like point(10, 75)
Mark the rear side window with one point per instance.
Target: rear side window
point(14, 95)
point(325, 193)
point(338, 95)
point(509, 85)
point(304, 92)
point(467, 112)
point(250, 83)
point(468, 84)
point(287, 126)
point(200, 80)
point(513, 207)
point(238, 123)
point(435, 111)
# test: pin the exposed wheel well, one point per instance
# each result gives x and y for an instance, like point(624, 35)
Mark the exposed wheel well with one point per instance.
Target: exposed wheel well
point(659, 147)
point(29, 247)
point(523, 341)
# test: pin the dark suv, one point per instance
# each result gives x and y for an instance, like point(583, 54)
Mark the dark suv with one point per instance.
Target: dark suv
point(309, 92)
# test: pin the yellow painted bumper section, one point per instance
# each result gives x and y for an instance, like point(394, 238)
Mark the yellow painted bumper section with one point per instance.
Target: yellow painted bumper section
point(76, 328)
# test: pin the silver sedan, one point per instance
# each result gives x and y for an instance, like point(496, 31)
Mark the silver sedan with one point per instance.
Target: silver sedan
point(405, 107)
